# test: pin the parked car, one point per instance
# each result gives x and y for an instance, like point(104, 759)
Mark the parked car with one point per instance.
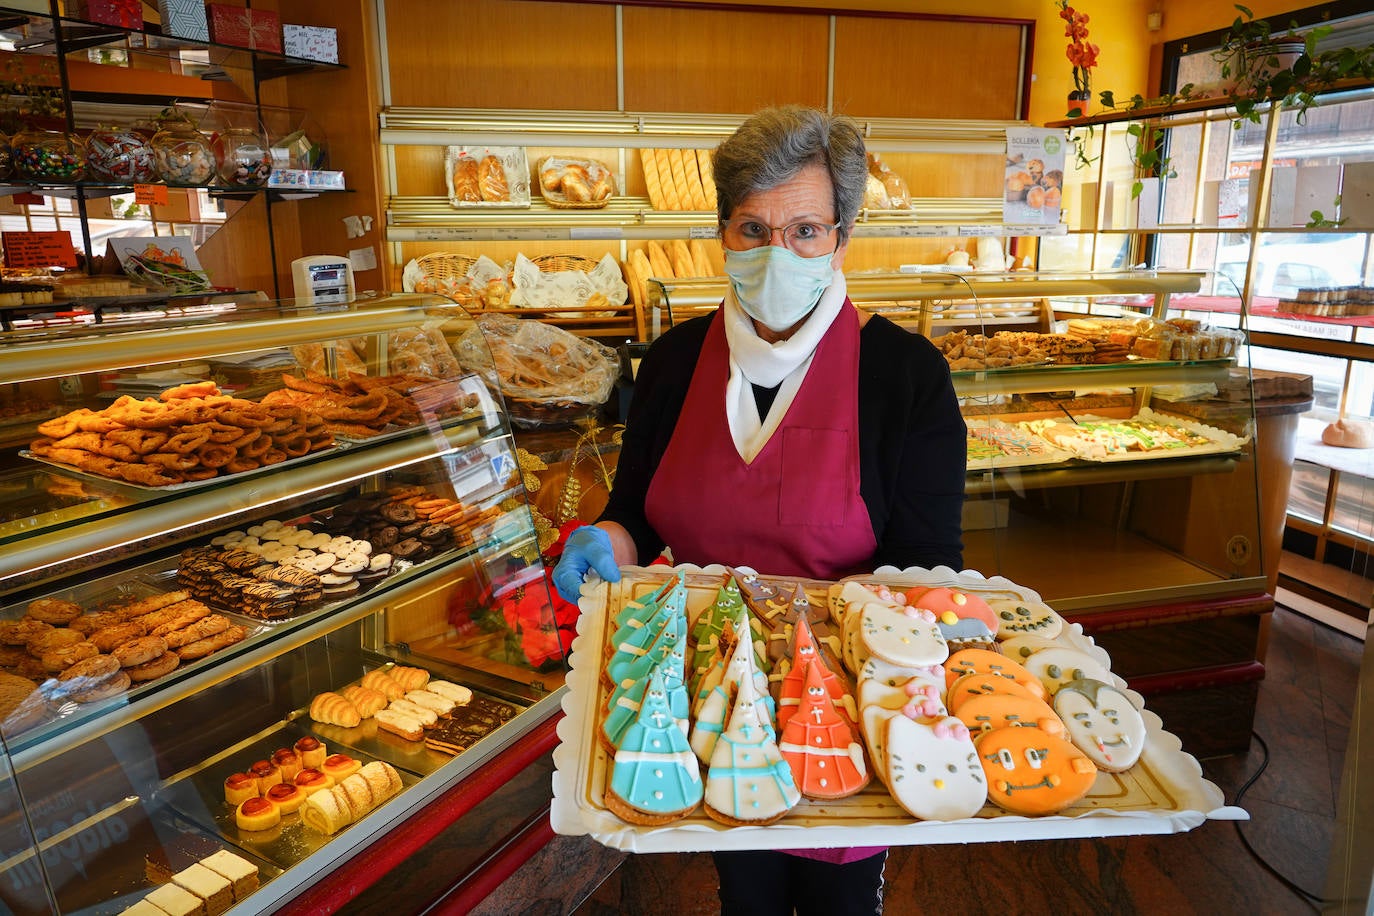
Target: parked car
point(1294, 262)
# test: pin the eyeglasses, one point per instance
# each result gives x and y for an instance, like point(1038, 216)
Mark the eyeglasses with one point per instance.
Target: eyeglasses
point(805, 238)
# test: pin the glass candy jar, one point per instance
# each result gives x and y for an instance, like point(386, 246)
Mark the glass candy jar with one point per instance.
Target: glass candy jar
point(47, 155)
point(182, 154)
point(119, 154)
point(244, 159)
point(6, 159)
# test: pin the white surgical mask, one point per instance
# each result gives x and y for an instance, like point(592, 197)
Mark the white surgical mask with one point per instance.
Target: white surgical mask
point(776, 286)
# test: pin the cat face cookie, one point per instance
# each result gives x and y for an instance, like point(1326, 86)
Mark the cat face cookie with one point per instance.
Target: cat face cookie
point(982, 714)
point(1102, 723)
point(1056, 667)
point(902, 635)
point(933, 770)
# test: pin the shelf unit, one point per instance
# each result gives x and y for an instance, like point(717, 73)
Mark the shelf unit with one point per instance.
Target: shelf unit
point(206, 715)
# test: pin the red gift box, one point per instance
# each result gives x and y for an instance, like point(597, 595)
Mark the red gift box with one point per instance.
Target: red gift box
point(264, 30)
point(127, 14)
point(229, 25)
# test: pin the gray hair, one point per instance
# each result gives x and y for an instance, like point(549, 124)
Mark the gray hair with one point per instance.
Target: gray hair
point(773, 145)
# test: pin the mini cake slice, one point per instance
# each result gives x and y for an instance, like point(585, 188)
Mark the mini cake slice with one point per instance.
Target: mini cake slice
point(176, 901)
point(208, 885)
point(142, 908)
point(242, 874)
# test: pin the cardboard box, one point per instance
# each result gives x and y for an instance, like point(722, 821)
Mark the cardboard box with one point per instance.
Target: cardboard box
point(228, 25)
point(184, 19)
point(127, 14)
point(264, 31)
point(311, 42)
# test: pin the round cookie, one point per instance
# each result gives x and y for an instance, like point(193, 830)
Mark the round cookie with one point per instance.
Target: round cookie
point(140, 651)
point(157, 667)
point(933, 770)
point(19, 632)
point(22, 706)
point(54, 611)
point(902, 635)
point(1102, 723)
point(1015, 618)
point(103, 691)
point(952, 603)
point(985, 661)
point(56, 638)
point(96, 668)
point(107, 638)
point(1021, 648)
point(62, 658)
point(984, 684)
point(12, 655)
point(1033, 773)
point(984, 713)
point(14, 690)
point(97, 620)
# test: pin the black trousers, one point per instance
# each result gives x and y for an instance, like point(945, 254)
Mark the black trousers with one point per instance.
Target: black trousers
point(766, 883)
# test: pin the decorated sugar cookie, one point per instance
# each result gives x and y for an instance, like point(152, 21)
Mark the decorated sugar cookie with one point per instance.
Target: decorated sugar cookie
point(920, 697)
point(873, 722)
point(1021, 648)
point(845, 595)
point(852, 648)
point(727, 610)
point(984, 661)
point(623, 706)
point(984, 684)
point(818, 744)
point(1032, 772)
point(933, 771)
point(1015, 618)
point(716, 705)
point(950, 604)
point(748, 781)
point(902, 636)
point(644, 606)
point(634, 664)
point(655, 778)
point(984, 713)
point(1102, 723)
point(805, 653)
point(1056, 667)
point(876, 669)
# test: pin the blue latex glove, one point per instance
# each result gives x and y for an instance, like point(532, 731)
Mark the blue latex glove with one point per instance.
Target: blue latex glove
point(589, 547)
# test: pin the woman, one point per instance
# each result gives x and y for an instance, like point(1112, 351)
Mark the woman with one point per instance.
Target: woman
point(789, 432)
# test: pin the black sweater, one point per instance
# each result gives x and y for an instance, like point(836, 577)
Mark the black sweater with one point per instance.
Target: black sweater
point(912, 442)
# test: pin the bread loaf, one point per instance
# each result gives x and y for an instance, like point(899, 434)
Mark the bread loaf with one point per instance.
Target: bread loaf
point(677, 163)
point(701, 259)
point(659, 264)
point(366, 700)
point(681, 258)
point(695, 192)
point(652, 182)
point(331, 709)
point(491, 180)
point(576, 184)
point(643, 271)
point(672, 199)
point(465, 186)
point(1347, 433)
point(708, 177)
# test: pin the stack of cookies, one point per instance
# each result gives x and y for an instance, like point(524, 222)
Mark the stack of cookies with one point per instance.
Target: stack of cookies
point(409, 523)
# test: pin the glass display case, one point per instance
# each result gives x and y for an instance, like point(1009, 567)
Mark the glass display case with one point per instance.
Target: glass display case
point(190, 614)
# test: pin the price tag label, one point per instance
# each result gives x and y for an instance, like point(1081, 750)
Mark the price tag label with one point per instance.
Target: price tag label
point(980, 231)
point(703, 232)
point(38, 249)
point(150, 194)
point(596, 232)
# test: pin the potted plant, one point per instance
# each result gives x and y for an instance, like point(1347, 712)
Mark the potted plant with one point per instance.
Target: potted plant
point(1082, 54)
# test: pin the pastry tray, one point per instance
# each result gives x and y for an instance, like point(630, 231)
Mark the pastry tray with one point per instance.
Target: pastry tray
point(198, 795)
point(217, 480)
point(1164, 792)
point(1222, 442)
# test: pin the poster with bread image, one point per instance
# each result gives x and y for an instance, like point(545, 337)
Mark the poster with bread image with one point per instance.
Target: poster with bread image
point(487, 176)
point(1034, 178)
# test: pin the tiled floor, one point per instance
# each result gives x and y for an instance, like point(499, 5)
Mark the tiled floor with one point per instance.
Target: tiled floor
point(1303, 716)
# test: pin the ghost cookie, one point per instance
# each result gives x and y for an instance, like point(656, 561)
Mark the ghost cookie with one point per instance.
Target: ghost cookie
point(1102, 723)
point(1056, 667)
point(902, 635)
point(1032, 772)
point(933, 771)
point(1017, 618)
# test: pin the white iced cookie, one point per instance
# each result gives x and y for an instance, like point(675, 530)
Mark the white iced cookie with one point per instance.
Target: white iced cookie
point(933, 771)
point(1056, 667)
point(1017, 618)
point(844, 595)
point(1021, 648)
point(1102, 723)
point(902, 635)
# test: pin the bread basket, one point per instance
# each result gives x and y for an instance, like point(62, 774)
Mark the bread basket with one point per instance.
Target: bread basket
point(558, 199)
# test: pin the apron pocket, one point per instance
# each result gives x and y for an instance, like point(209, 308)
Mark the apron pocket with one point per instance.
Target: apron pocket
point(816, 480)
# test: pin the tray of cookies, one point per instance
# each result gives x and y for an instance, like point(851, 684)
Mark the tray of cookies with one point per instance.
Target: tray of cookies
point(283, 793)
point(906, 707)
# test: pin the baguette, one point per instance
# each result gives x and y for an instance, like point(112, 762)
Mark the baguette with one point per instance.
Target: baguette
point(671, 199)
point(634, 281)
point(398, 723)
point(681, 258)
point(652, 181)
point(677, 164)
point(701, 259)
point(659, 264)
point(643, 272)
point(694, 186)
point(708, 177)
point(331, 709)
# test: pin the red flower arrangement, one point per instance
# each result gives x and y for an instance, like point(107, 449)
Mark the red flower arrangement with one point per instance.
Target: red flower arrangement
point(1080, 52)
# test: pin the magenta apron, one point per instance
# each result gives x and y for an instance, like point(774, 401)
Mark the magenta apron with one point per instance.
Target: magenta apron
point(794, 511)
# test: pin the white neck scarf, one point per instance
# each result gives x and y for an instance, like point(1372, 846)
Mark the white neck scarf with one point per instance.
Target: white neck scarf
point(754, 361)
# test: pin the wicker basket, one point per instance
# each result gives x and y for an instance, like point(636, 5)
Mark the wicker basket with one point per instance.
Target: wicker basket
point(445, 265)
point(557, 200)
point(553, 263)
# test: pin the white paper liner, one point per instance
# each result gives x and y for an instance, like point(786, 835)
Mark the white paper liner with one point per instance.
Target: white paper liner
point(1165, 791)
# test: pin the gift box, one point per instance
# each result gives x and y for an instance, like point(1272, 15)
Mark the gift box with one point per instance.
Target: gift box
point(264, 31)
point(311, 42)
point(127, 14)
point(184, 19)
point(229, 25)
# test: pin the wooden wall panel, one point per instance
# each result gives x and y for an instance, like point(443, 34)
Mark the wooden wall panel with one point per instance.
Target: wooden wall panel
point(904, 68)
point(498, 54)
point(722, 61)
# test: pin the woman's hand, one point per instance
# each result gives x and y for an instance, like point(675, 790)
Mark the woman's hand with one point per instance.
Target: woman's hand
point(588, 548)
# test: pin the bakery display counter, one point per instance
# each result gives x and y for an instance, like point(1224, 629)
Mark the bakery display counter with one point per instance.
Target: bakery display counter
point(266, 668)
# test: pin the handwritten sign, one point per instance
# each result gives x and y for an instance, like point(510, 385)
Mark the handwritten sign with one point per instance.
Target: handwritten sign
point(38, 249)
point(150, 194)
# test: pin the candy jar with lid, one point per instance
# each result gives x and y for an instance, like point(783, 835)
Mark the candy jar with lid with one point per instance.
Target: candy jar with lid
point(244, 158)
point(47, 155)
point(182, 154)
point(119, 154)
